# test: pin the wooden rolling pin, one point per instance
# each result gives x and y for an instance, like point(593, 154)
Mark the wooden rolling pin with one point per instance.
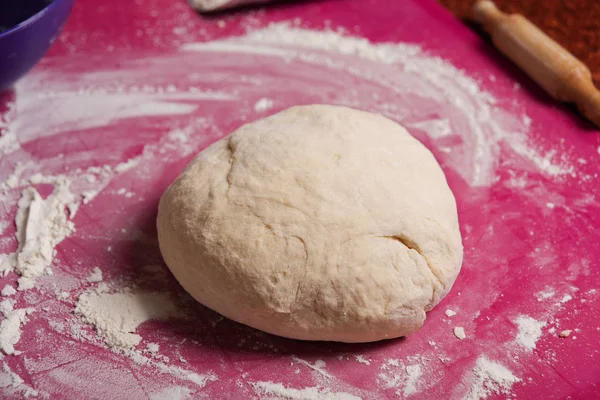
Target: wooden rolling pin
point(562, 75)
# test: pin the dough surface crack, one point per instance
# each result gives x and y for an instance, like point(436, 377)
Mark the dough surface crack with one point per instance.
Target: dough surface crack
point(413, 246)
point(231, 160)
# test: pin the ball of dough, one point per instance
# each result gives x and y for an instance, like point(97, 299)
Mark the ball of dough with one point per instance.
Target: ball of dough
point(317, 223)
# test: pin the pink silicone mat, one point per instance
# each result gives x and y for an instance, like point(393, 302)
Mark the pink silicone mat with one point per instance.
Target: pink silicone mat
point(120, 88)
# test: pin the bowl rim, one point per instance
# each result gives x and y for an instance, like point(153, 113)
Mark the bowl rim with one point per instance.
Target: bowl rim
point(29, 20)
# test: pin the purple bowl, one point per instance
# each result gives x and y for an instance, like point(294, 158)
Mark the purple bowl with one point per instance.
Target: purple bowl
point(27, 29)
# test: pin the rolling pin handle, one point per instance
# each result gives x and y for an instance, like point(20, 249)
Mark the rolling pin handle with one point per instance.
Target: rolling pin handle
point(556, 70)
point(591, 106)
point(485, 12)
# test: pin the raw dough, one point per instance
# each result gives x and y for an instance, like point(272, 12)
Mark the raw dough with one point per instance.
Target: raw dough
point(318, 223)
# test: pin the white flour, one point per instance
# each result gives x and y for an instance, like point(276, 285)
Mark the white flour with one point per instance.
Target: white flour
point(152, 347)
point(117, 315)
point(8, 143)
point(3, 226)
point(127, 165)
point(487, 378)
point(530, 331)
point(459, 332)
point(26, 283)
point(95, 276)
point(395, 375)
point(13, 385)
point(8, 139)
point(10, 327)
point(41, 225)
point(263, 105)
point(200, 380)
point(449, 313)
point(172, 393)
point(435, 128)
point(545, 294)
point(413, 373)
point(6, 306)
point(362, 359)
point(318, 366)
point(8, 291)
point(65, 107)
point(270, 390)
point(566, 298)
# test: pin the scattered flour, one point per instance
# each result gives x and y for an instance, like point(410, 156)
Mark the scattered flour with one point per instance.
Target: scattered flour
point(95, 276)
point(8, 291)
point(362, 359)
point(395, 375)
point(12, 181)
point(449, 313)
point(566, 298)
point(435, 129)
point(117, 315)
point(127, 165)
point(413, 373)
point(547, 163)
point(317, 366)
point(487, 378)
point(459, 332)
point(3, 226)
point(7, 306)
point(10, 327)
point(200, 380)
point(89, 108)
point(530, 331)
point(62, 295)
point(90, 178)
point(263, 105)
point(8, 143)
point(545, 294)
point(270, 390)
point(89, 195)
point(172, 393)
point(41, 225)
point(152, 347)
point(25, 283)
point(13, 385)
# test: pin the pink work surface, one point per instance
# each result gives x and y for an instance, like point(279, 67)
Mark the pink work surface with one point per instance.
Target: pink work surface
point(530, 233)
